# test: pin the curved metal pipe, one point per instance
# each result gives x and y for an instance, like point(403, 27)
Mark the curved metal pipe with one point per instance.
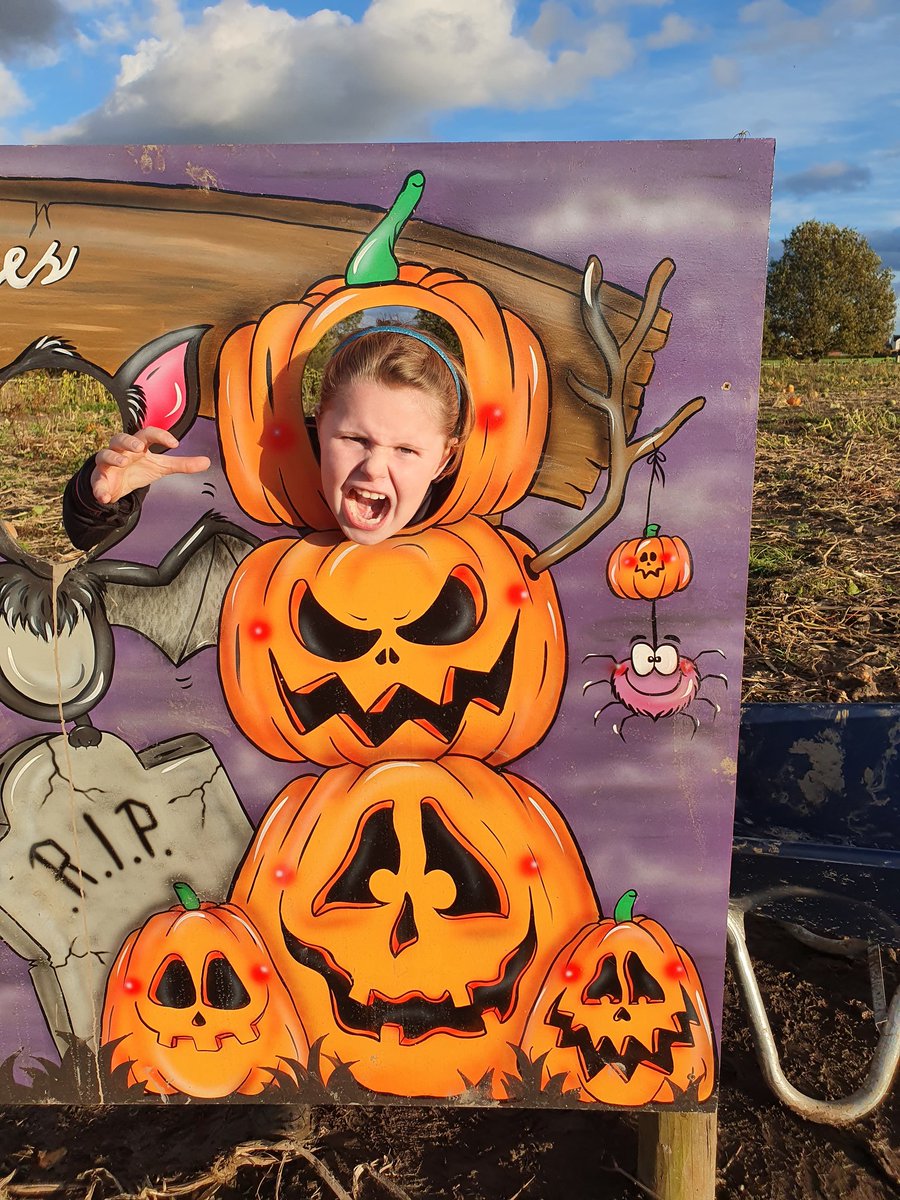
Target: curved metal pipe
point(827, 1112)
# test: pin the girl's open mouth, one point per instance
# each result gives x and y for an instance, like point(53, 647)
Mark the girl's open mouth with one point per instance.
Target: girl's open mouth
point(365, 509)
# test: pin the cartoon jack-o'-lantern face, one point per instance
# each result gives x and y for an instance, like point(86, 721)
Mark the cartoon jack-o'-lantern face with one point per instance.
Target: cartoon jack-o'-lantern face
point(649, 567)
point(267, 452)
point(413, 909)
point(196, 1006)
point(413, 648)
point(623, 1015)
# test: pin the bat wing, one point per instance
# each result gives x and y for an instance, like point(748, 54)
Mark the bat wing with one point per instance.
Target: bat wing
point(177, 604)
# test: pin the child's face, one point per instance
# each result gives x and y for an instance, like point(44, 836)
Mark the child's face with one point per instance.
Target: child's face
point(381, 448)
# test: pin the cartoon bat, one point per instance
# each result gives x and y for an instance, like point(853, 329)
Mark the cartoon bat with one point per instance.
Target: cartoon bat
point(57, 658)
point(62, 662)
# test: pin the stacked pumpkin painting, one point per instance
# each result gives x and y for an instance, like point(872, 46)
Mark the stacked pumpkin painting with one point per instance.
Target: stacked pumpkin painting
point(418, 913)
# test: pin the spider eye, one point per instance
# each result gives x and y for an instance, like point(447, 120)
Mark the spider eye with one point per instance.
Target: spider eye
point(643, 658)
point(666, 660)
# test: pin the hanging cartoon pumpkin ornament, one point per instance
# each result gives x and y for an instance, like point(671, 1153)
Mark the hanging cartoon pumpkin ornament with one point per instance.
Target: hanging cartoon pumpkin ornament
point(623, 1014)
point(269, 458)
point(195, 1006)
point(649, 567)
point(322, 656)
point(413, 909)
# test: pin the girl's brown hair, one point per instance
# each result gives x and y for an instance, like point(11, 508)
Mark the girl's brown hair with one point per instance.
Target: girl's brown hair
point(397, 359)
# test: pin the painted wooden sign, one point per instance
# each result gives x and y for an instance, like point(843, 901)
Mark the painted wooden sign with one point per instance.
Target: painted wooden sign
point(294, 809)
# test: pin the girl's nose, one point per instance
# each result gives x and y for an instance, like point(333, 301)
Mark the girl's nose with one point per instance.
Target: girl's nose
point(375, 462)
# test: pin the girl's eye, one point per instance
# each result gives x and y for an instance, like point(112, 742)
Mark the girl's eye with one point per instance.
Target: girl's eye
point(407, 450)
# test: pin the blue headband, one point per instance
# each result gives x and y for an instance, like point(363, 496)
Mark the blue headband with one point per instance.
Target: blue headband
point(426, 341)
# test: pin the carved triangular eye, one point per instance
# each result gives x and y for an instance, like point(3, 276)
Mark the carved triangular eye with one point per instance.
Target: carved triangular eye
point(174, 987)
point(222, 987)
point(453, 617)
point(605, 984)
point(477, 894)
point(641, 984)
point(326, 636)
point(375, 848)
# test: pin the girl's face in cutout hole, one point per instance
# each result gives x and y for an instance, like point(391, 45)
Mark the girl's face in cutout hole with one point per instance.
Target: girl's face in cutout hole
point(381, 449)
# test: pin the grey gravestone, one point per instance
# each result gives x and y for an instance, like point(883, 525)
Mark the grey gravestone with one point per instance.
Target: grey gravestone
point(91, 840)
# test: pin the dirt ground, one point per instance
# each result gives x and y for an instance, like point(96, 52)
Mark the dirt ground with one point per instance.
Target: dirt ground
point(823, 625)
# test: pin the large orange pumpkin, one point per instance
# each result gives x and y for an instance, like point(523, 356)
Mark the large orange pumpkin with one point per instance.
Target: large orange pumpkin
point(268, 456)
point(195, 1005)
point(413, 909)
point(623, 1016)
point(413, 648)
point(649, 567)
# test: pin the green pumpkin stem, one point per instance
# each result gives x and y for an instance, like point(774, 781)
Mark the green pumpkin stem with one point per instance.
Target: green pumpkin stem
point(374, 261)
point(624, 910)
point(651, 531)
point(187, 896)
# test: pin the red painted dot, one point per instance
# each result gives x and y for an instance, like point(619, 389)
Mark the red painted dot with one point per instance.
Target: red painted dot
point(629, 561)
point(571, 973)
point(668, 556)
point(131, 985)
point(675, 969)
point(260, 972)
point(283, 875)
point(491, 417)
point(279, 437)
point(517, 593)
point(530, 865)
point(259, 630)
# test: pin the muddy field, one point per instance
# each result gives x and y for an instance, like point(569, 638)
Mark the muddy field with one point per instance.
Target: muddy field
point(823, 625)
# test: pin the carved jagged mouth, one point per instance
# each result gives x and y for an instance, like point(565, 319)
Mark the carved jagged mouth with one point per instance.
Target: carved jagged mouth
point(634, 1053)
point(332, 698)
point(415, 1015)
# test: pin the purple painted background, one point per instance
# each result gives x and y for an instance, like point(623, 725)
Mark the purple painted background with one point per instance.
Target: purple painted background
point(654, 814)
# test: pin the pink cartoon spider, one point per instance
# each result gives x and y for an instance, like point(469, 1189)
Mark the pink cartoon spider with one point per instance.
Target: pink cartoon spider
point(654, 681)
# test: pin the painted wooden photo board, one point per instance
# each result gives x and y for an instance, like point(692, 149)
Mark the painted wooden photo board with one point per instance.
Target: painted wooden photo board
point(446, 816)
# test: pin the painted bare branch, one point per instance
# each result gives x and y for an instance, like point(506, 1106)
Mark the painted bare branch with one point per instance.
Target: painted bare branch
point(617, 359)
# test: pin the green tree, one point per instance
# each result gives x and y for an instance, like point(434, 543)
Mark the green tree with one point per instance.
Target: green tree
point(828, 291)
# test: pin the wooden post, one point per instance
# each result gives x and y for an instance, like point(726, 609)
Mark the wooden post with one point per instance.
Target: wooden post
point(677, 1155)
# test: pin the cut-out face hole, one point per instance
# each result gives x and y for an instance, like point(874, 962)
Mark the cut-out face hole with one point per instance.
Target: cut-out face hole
point(427, 323)
point(221, 986)
point(50, 422)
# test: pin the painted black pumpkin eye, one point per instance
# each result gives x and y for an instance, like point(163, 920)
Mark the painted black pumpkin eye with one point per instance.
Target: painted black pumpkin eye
point(175, 988)
point(452, 618)
point(605, 985)
point(222, 987)
point(641, 984)
point(375, 848)
point(326, 636)
point(476, 892)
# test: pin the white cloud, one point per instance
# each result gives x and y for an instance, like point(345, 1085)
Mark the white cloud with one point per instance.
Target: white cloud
point(726, 72)
point(12, 98)
point(827, 177)
point(674, 31)
point(252, 72)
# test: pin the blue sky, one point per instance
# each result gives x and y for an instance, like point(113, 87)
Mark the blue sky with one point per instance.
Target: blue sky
point(820, 76)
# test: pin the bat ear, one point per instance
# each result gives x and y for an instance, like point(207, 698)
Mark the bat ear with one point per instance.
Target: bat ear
point(160, 383)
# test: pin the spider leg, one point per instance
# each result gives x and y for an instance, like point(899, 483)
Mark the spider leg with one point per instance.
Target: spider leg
point(717, 708)
point(609, 704)
point(618, 728)
point(594, 682)
point(693, 720)
point(724, 678)
point(702, 652)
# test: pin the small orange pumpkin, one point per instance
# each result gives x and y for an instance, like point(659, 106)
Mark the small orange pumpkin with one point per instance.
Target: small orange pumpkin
point(649, 567)
point(268, 456)
point(323, 656)
point(195, 1005)
point(413, 909)
point(622, 1014)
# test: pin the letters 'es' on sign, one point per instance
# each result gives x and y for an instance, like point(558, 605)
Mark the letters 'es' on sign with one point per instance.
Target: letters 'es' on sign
point(445, 815)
